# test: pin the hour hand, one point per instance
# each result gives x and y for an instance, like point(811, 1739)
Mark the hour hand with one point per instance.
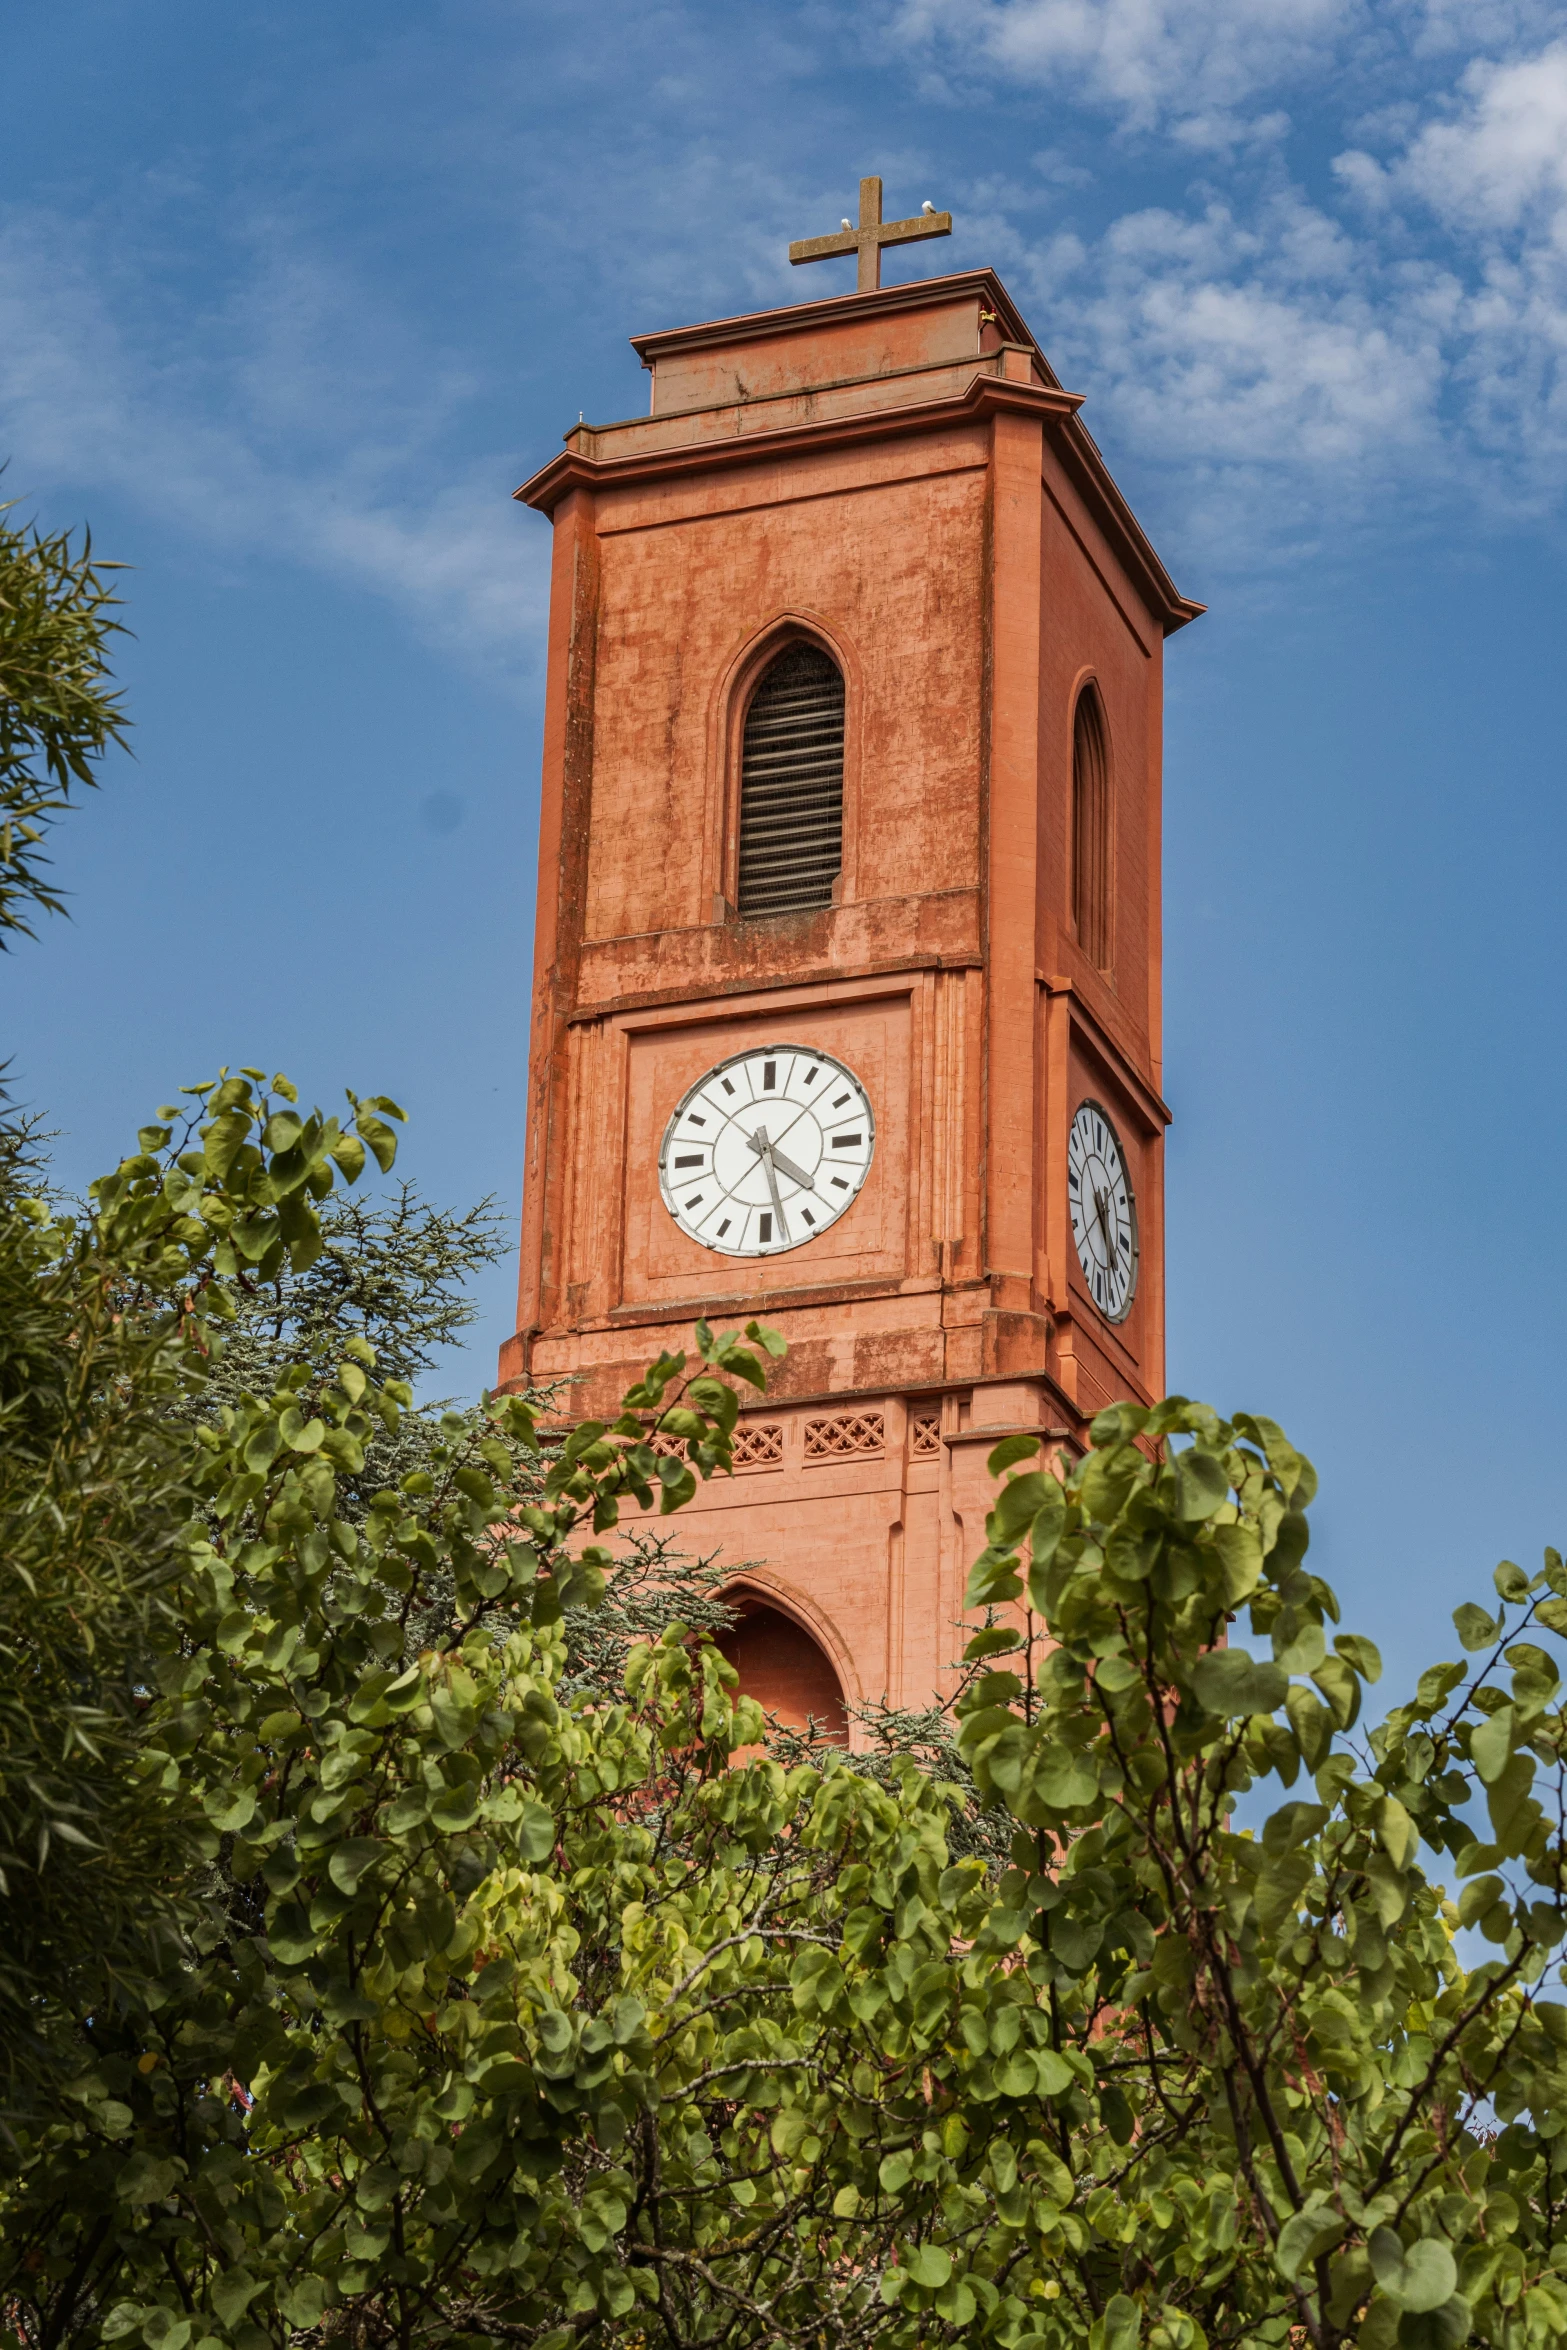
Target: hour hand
point(771, 1155)
point(788, 1167)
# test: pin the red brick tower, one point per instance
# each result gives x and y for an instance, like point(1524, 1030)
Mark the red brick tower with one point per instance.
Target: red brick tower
point(851, 775)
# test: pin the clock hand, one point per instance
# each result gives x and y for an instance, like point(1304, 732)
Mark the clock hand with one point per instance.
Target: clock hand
point(1104, 1226)
point(769, 1150)
point(788, 1167)
point(764, 1151)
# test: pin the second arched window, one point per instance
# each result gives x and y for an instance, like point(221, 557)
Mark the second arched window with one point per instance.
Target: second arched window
point(1091, 900)
point(791, 785)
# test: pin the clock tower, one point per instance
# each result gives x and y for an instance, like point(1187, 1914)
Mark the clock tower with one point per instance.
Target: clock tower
point(846, 1000)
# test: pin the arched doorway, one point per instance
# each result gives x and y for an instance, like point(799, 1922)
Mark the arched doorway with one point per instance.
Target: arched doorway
point(788, 1672)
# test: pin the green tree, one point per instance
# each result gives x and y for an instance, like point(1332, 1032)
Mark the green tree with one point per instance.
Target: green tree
point(1297, 2113)
point(58, 715)
point(517, 2010)
point(94, 1496)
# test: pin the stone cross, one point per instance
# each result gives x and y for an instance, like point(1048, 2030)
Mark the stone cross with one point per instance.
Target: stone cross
point(873, 232)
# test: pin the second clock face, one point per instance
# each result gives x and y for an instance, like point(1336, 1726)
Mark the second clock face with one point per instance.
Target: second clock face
point(767, 1151)
point(1104, 1213)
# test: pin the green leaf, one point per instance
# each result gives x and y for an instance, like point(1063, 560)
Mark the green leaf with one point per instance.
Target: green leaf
point(379, 1139)
point(1312, 1724)
point(1017, 1505)
point(929, 2266)
point(1044, 1537)
point(351, 1859)
point(1509, 1801)
point(535, 1833)
point(1436, 1682)
point(1120, 2327)
point(283, 1130)
point(1477, 1897)
point(1011, 1450)
point(1299, 1642)
point(993, 1642)
point(1306, 2236)
point(1448, 2327)
point(349, 1153)
point(992, 1578)
point(1229, 1681)
point(144, 2179)
point(233, 2290)
point(303, 2302)
point(1362, 1654)
point(1396, 1832)
point(1474, 1627)
point(1240, 1560)
point(1341, 1687)
point(1202, 1485)
point(1053, 2075)
point(290, 1936)
point(1491, 1744)
point(1421, 2278)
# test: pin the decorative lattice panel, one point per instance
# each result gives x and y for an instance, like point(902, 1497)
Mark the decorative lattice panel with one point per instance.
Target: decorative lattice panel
point(844, 1436)
point(758, 1444)
point(925, 1433)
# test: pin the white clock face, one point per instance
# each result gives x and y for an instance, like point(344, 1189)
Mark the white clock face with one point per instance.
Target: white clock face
point(1104, 1213)
point(766, 1151)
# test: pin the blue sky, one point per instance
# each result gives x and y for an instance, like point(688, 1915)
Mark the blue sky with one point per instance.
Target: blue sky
point(290, 300)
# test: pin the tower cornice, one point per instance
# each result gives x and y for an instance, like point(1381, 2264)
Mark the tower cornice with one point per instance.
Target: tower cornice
point(989, 392)
point(799, 318)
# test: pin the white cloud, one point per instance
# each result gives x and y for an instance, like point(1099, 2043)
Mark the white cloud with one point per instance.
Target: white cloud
point(1194, 63)
point(1473, 27)
point(293, 421)
point(1502, 162)
point(1292, 362)
point(1268, 362)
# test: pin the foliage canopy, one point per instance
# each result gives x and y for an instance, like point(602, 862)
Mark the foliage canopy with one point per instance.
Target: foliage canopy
point(58, 715)
point(508, 2004)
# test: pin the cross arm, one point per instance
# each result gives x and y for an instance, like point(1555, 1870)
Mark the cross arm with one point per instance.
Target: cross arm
point(822, 248)
point(886, 232)
point(924, 224)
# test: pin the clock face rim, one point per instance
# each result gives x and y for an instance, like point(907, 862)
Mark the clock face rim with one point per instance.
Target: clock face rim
point(1092, 1103)
point(762, 1052)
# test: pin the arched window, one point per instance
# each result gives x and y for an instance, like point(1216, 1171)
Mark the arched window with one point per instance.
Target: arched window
point(791, 785)
point(784, 1669)
point(1091, 830)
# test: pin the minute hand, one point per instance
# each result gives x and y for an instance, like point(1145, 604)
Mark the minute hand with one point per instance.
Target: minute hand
point(772, 1185)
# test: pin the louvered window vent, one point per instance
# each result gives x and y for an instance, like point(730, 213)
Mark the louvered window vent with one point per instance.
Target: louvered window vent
point(791, 786)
